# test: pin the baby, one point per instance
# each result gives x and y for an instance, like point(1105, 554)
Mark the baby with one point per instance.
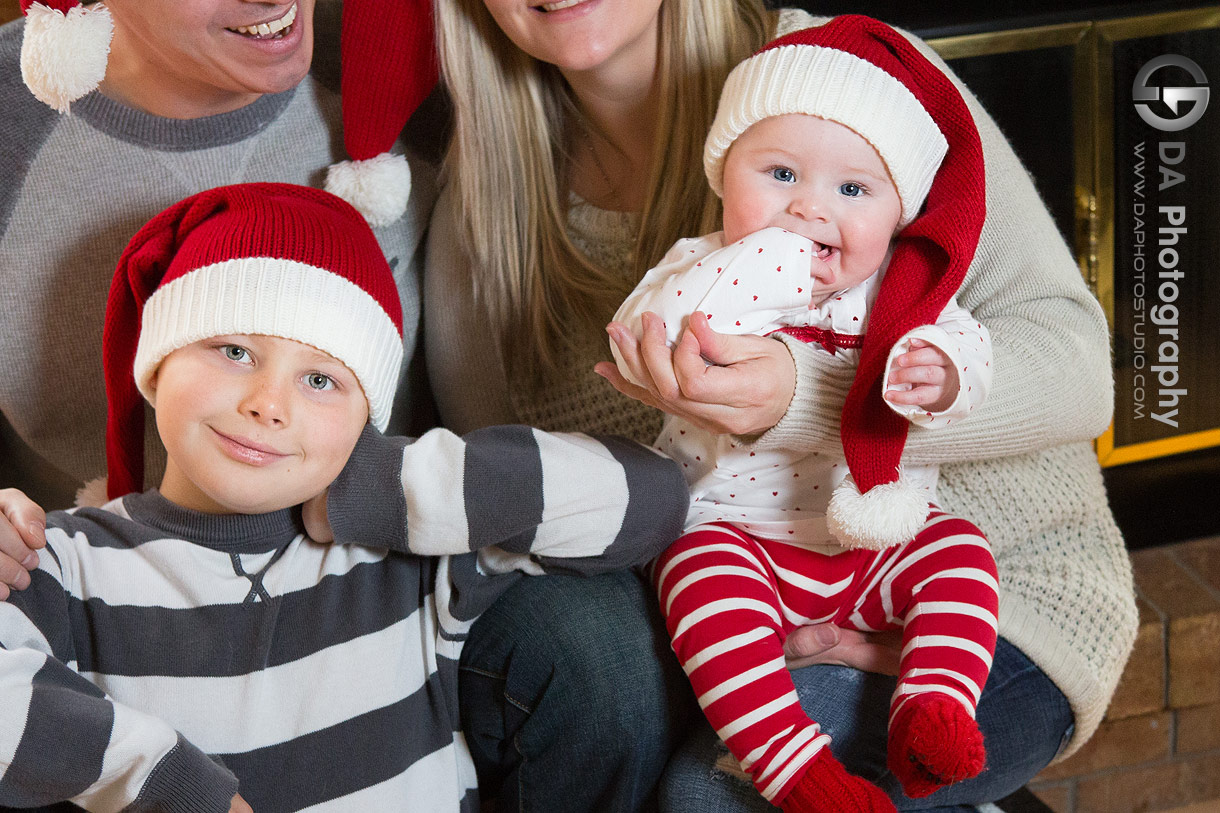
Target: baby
point(826, 146)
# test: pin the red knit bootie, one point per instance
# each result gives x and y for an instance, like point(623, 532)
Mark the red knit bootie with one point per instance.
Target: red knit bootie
point(827, 787)
point(933, 743)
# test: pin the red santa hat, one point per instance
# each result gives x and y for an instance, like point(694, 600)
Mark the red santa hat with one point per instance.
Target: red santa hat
point(863, 74)
point(389, 66)
point(261, 258)
point(64, 49)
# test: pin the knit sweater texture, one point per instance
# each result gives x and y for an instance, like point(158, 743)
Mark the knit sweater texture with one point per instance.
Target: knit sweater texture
point(1022, 468)
point(75, 188)
point(163, 659)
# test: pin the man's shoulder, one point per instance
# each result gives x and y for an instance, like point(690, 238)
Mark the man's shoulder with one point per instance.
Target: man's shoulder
point(10, 40)
point(10, 59)
point(21, 109)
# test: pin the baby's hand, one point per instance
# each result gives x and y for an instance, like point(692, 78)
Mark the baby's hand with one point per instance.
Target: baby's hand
point(22, 532)
point(931, 376)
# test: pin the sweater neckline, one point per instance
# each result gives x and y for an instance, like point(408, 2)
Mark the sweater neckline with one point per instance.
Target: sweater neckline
point(229, 533)
point(180, 135)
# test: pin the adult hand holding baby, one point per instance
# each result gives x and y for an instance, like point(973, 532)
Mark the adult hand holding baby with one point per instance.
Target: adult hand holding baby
point(745, 390)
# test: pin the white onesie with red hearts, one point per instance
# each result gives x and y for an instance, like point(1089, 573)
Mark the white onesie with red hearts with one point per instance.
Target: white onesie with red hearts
point(758, 285)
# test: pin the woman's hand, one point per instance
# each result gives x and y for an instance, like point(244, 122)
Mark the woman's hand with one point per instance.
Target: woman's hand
point(826, 643)
point(745, 391)
point(23, 528)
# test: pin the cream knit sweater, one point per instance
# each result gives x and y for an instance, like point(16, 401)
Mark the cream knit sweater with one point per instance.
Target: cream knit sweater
point(1022, 467)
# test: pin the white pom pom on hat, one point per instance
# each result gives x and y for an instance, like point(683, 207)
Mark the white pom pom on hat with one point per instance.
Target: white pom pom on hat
point(887, 514)
point(64, 49)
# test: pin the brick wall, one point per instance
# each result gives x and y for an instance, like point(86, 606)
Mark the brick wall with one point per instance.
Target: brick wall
point(1159, 746)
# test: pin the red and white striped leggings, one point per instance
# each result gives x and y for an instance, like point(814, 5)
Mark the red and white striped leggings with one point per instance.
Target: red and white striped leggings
point(730, 601)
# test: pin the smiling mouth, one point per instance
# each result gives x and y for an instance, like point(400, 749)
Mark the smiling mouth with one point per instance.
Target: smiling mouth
point(274, 30)
point(559, 6)
point(247, 450)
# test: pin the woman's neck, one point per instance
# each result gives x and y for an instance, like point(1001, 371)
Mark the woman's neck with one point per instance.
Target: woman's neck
point(612, 145)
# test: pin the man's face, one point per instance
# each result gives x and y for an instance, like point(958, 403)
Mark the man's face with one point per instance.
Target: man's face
point(254, 424)
point(191, 58)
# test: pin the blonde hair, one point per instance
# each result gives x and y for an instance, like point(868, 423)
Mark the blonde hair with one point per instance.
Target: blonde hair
point(507, 162)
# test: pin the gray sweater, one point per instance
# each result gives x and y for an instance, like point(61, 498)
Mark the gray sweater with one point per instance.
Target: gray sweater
point(163, 659)
point(74, 189)
point(1021, 467)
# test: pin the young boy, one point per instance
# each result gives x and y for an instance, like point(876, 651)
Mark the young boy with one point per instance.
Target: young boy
point(825, 147)
point(191, 647)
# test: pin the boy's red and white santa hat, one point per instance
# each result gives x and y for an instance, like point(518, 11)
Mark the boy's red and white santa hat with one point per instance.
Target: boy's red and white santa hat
point(261, 258)
point(861, 73)
point(388, 64)
point(64, 49)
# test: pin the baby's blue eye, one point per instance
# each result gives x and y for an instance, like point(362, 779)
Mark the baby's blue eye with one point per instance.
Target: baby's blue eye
point(783, 175)
point(317, 381)
point(235, 352)
point(851, 190)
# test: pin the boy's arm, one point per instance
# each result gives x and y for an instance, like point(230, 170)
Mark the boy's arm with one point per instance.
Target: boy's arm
point(569, 500)
point(63, 739)
point(755, 285)
point(967, 345)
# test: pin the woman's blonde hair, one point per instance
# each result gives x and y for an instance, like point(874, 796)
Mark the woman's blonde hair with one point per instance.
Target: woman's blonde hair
point(507, 161)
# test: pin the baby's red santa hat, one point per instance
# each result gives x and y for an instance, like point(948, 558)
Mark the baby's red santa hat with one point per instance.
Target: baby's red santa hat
point(261, 258)
point(389, 67)
point(64, 49)
point(861, 73)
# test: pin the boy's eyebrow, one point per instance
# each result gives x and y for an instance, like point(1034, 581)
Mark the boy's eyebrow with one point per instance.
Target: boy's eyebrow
point(322, 357)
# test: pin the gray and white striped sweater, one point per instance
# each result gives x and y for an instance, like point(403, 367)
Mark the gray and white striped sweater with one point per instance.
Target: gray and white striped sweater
point(165, 659)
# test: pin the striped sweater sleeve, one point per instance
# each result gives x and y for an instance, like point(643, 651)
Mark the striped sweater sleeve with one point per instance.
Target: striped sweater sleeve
point(568, 501)
point(62, 738)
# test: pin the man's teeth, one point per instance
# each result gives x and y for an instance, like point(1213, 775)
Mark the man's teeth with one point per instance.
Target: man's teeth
point(269, 29)
point(561, 4)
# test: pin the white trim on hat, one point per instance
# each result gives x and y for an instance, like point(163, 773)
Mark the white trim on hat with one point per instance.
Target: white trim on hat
point(275, 297)
point(841, 87)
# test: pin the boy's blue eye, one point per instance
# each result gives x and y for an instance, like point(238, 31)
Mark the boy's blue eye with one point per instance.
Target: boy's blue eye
point(851, 190)
point(783, 175)
point(320, 382)
point(235, 352)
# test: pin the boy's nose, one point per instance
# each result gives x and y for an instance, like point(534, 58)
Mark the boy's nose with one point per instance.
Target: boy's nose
point(267, 402)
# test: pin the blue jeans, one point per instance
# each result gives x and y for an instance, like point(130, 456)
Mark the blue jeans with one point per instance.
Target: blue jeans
point(1024, 717)
point(571, 699)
